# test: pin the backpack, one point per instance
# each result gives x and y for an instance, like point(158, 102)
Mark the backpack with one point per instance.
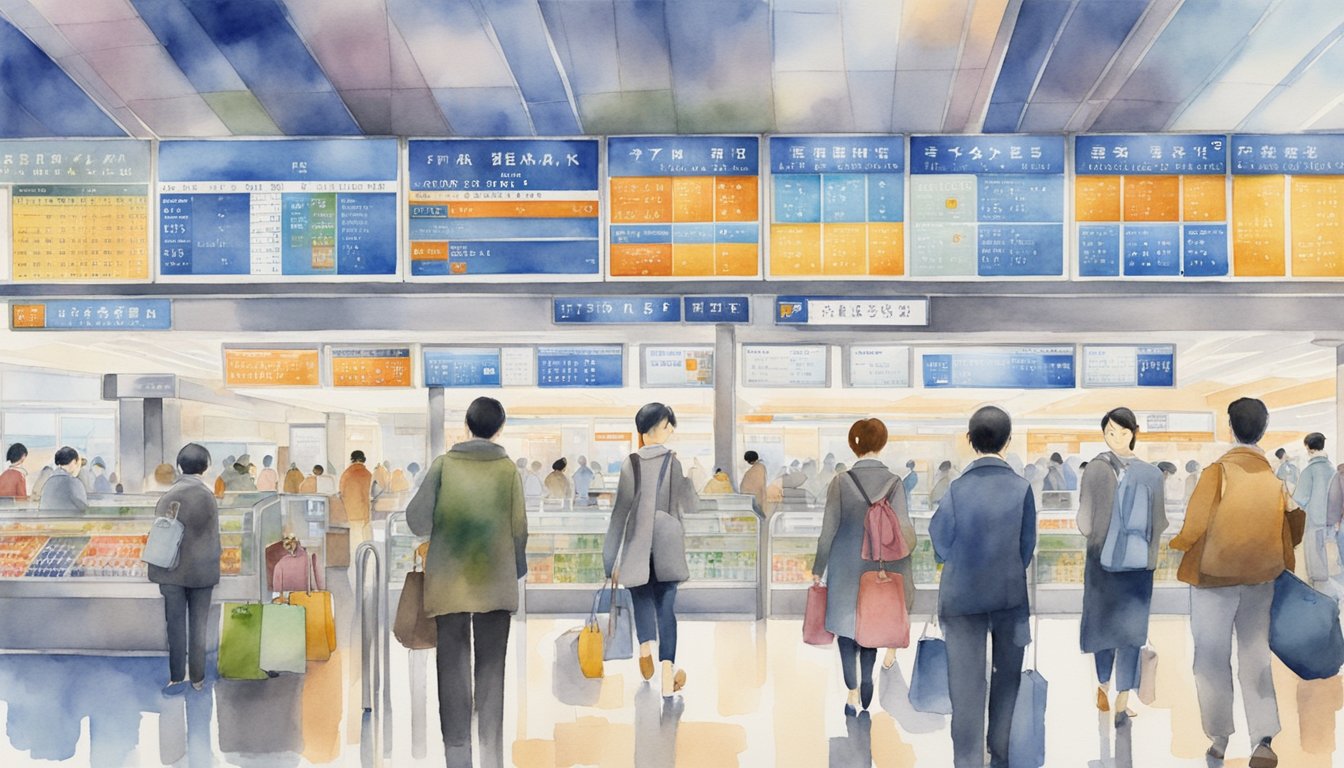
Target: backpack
point(1131, 531)
point(882, 539)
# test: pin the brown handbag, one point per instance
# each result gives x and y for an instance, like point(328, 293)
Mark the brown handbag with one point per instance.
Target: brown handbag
point(412, 627)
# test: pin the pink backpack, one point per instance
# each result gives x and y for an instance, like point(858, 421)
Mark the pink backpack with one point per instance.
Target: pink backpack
point(882, 539)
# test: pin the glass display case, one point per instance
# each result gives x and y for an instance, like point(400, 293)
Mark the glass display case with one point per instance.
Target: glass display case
point(1061, 557)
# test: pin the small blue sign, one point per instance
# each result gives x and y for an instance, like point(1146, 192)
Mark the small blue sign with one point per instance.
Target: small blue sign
point(1001, 368)
point(1099, 250)
point(93, 315)
point(616, 309)
point(1308, 154)
point(1161, 154)
point(591, 366)
point(503, 164)
point(1157, 366)
point(683, 156)
point(1042, 155)
point(837, 154)
point(314, 160)
point(453, 367)
point(72, 161)
point(717, 309)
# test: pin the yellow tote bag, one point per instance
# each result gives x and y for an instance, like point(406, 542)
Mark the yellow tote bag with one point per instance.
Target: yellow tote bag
point(590, 648)
point(320, 621)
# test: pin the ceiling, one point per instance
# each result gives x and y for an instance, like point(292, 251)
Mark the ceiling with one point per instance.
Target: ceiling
point(170, 68)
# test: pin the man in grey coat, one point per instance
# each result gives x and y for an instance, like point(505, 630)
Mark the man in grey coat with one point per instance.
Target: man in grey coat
point(63, 492)
point(186, 588)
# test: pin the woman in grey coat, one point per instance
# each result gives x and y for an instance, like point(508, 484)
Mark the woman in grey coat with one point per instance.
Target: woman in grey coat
point(1116, 604)
point(186, 588)
point(645, 547)
point(839, 551)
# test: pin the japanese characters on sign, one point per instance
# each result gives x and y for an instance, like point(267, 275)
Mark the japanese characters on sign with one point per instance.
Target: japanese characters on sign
point(1116, 365)
point(616, 309)
point(1286, 197)
point(684, 206)
point(263, 209)
point(786, 365)
point(832, 310)
point(76, 210)
point(589, 366)
point(717, 309)
point(1150, 205)
point(677, 366)
point(272, 367)
point(987, 206)
point(504, 207)
point(999, 367)
point(453, 367)
point(92, 315)
point(877, 365)
point(837, 206)
point(370, 367)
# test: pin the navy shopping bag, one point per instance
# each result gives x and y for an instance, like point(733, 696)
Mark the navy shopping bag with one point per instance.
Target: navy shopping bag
point(1304, 629)
point(929, 690)
point(1026, 744)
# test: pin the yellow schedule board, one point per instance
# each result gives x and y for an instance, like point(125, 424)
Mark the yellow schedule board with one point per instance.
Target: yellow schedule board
point(684, 207)
point(837, 206)
point(1287, 211)
point(272, 367)
point(370, 367)
point(76, 210)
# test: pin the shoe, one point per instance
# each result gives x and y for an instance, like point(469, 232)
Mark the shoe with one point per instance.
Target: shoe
point(679, 680)
point(1263, 756)
point(1218, 749)
point(198, 685)
point(1122, 719)
point(1103, 701)
point(175, 688)
point(850, 711)
point(646, 667)
point(866, 693)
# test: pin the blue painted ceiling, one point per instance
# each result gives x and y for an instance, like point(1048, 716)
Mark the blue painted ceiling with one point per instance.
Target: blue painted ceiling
point(170, 68)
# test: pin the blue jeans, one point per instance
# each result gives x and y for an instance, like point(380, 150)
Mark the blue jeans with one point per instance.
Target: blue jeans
point(1126, 663)
point(656, 616)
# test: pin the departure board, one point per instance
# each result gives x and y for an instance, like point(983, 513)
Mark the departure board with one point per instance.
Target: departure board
point(1050, 367)
point(786, 365)
point(1151, 205)
point(370, 366)
point(677, 366)
point(298, 366)
point(273, 210)
point(502, 209)
point(74, 210)
point(986, 206)
point(589, 366)
point(1286, 197)
point(837, 206)
point(1121, 365)
point(453, 367)
point(877, 365)
point(684, 206)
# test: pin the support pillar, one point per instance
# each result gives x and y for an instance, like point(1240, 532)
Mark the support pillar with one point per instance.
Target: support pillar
point(725, 399)
point(131, 443)
point(437, 415)
point(336, 453)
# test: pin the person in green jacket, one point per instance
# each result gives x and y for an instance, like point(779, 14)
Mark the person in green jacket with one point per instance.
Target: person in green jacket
point(470, 505)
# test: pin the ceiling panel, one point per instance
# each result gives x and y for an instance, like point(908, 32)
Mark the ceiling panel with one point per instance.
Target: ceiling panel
point(1038, 24)
point(584, 34)
point(47, 101)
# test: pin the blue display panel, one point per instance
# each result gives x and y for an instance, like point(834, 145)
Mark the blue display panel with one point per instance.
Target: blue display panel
point(504, 208)
point(454, 367)
point(1118, 365)
point(987, 206)
point(1307, 154)
point(1151, 205)
point(266, 210)
point(590, 366)
point(616, 309)
point(717, 309)
point(1000, 368)
point(92, 315)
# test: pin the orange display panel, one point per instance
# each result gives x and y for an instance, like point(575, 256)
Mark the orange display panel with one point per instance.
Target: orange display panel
point(1259, 226)
point(1204, 198)
point(641, 199)
point(80, 233)
point(1096, 198)
point(1317, 225)
point(271, 367)
point(366, 367)
point(846, 249)
point(1152, 198)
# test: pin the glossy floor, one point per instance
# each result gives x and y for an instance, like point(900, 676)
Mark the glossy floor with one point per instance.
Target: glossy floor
point(756, 697)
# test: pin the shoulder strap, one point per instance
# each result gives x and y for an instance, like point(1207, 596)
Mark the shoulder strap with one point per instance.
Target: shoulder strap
point(889, 488)
point(658, 491)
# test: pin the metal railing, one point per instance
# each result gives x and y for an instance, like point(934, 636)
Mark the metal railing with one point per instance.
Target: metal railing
point(375, 663)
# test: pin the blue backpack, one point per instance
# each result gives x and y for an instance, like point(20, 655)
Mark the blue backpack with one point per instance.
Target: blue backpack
point(1131, 531)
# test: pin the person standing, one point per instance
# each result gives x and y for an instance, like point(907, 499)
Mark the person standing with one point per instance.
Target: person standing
point(557, 483)
point(984, 533)
point(240, 481)
point(1287, 471)
point(268, 479)
point(225, 475)
point(1237, 539)
point(186, 587)
point(1311, 495)
point(941, 482)
point(324, 484)
point(357, 489)
point(1116, 603)
point(309, 484)
point(533, 486)
point(293, 479)
point(754, 480)
point(719, 484)
point(1055, 479)
point(583, 481)
point(646, 533)
point(63, 492)
point(100, 482)
point(471, 508)
point(910, 481)
point(840, 551)
point(14, 480)
point(1191, 479)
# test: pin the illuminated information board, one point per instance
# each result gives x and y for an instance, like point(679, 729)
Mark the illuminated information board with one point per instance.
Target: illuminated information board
point(684, 206)
point(1119, 365)
point(616, 309)
point(986, 206)
point(837, 206)
point(594, 365)
point(677, 366)
point(1151, 205)
point(74, 210)
point(504, 207)
point(877, 365)
point(370, 366)
point(1286, 217)
point(272, 367)
point(786, 365)
point(453, 367)
point(92, 315)
point(1000, 367)
point(268, 210)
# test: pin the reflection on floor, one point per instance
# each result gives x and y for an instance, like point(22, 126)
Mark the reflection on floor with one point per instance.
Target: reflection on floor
point(756, 697)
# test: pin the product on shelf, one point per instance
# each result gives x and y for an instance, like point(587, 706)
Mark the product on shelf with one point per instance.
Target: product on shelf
point(57, 556)
point(17, 552)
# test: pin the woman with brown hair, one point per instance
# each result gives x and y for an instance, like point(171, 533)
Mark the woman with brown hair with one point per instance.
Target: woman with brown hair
point(839, 551)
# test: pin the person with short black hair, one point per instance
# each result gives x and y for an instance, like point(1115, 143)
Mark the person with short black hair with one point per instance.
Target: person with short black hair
point(984, 533)
point(356, 489)
point(63, 492)
point(1287, 471)
point(941, 481)
point(1054, 474)
point(1311, 494)
point(754, 481)
point(186, 588)
point(470, 505)
point(14, 480)
point(1238, 536)
point(557, 484)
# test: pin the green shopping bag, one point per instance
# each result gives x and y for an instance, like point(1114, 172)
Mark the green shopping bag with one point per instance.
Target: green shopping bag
point(284, 647)
point(240, 642)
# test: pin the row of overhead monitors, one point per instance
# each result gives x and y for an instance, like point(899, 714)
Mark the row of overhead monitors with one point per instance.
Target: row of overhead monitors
point(1201, 206)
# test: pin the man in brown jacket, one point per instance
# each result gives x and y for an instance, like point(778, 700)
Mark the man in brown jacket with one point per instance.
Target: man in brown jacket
point(1237, 539)
point(357, 489)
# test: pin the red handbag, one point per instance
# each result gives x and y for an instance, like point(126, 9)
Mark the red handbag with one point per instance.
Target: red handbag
point(882, 620)
point(814, 619)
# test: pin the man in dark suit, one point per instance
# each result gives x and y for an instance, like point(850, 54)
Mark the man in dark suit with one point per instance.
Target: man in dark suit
point(984, 533)
point(186, 588)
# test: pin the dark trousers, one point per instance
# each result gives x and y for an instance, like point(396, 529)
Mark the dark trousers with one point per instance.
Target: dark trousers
point(854, 655)
point(186, 608)
point(966, 637)
point(656, 616)
point(489, 633)
point(1126, 663)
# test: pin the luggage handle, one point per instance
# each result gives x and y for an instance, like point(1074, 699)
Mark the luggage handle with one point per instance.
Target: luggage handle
point(173, 508)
